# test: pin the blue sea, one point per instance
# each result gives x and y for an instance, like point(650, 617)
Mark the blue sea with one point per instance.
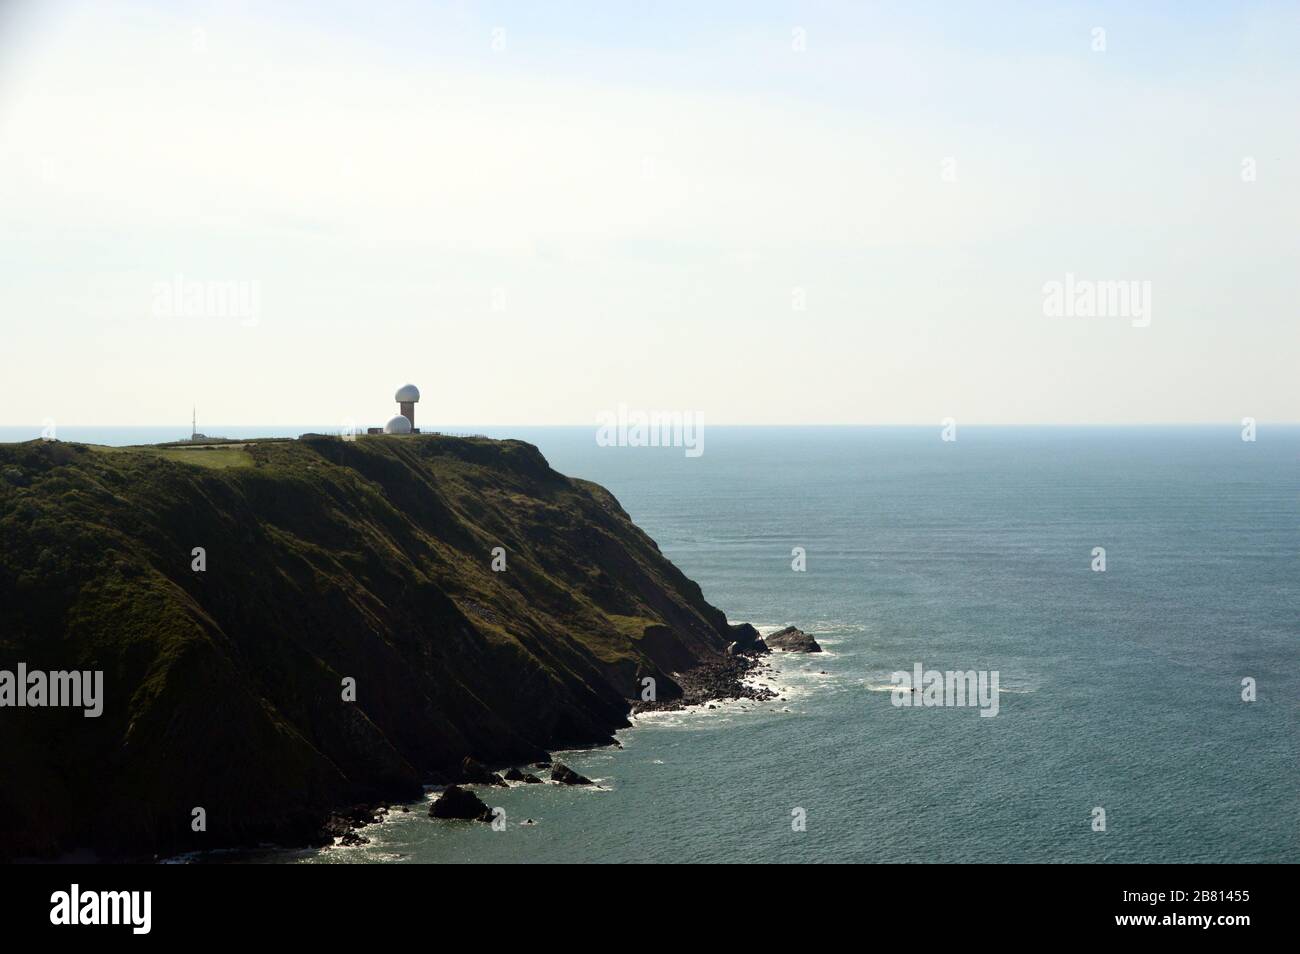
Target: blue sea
point(1120, 690)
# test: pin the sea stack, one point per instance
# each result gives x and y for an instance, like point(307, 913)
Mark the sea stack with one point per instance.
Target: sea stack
point(457, 802)
point(793, 640)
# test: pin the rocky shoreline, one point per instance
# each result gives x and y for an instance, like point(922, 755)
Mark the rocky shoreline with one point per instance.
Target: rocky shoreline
point(722, 679)
point(343, 828)
point(714, 681)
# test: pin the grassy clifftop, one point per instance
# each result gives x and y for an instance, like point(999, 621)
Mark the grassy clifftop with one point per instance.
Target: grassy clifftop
point(325, 560)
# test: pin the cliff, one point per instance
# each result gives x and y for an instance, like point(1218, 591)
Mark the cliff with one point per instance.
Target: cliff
point(326, 560)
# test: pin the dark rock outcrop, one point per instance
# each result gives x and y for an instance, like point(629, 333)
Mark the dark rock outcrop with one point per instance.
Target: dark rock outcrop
point(745, 641)
point(457, 802)
point(793, 640)
point(473, 772)
point(566, 776)
point(725, 677)
point(531, 779)
point(513, 775)
point(343, 825)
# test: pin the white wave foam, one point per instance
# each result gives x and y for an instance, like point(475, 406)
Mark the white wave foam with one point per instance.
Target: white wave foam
point(889, 687)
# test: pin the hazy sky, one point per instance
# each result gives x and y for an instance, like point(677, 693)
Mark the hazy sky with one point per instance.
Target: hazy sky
point(761, 212)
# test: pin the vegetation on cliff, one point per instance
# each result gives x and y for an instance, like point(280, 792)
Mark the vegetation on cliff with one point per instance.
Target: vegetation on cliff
point(326, 560)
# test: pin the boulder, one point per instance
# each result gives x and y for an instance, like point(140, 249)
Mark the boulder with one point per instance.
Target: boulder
point(746, 641)
point(457, 802)
point(335, 827)
point(473, 772)
point(513, 775)
point(531, 779)
point(793, 640)
point(566, 776)
point(360, 815)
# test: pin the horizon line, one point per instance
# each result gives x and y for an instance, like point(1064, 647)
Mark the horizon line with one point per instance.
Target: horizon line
point(1055, 424)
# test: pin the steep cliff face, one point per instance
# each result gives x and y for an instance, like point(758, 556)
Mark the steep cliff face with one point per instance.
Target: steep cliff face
point(326, 560)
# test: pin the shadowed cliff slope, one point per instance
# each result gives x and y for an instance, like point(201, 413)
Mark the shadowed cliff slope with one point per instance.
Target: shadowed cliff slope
point(325, 559)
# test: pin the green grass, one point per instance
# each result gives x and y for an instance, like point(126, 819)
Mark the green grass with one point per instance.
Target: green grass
point(217, 456)
point(631, 627)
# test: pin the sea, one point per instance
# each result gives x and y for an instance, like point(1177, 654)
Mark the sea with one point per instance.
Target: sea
point(1147, 711)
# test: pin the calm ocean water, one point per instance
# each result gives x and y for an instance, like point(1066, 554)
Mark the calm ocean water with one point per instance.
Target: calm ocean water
point(1121, 689)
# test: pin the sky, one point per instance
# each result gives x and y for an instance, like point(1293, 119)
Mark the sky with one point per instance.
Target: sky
point(760, 213)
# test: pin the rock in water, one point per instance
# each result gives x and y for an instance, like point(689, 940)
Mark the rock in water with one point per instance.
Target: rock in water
point(473, 772)
point(514, 775)
point(566, 776)
point(746, 641)
point(457, 802)
point(793, 640)
point(531, 779)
